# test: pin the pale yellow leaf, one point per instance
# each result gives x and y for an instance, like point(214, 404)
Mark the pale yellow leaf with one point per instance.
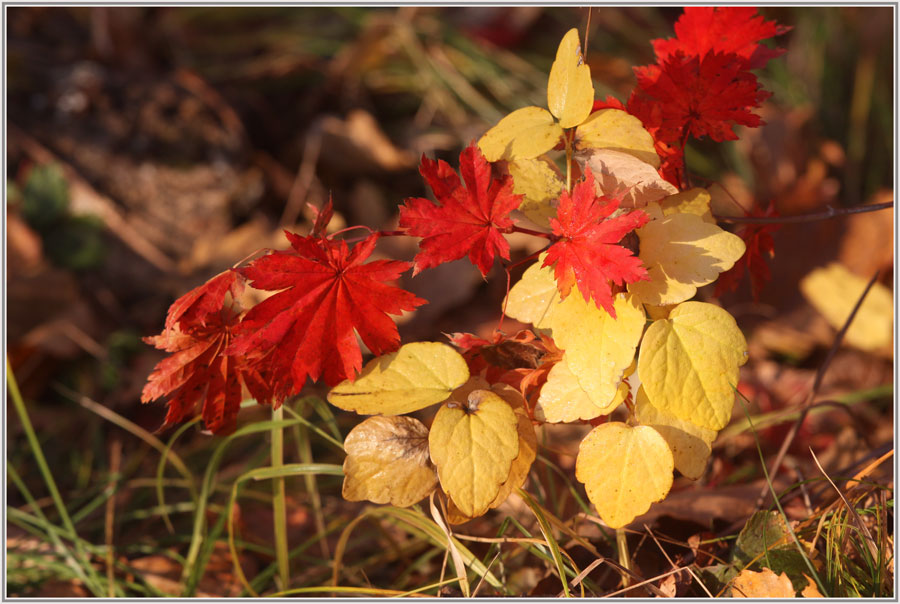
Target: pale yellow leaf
point(535, 296)
point(834, 291)
point(521, 465)
point(681, 253)
point(570, 92)
point(416, 376)
point(473, 444)
point(387, 462)
point(539, 182)
point(688, 363)
point(693, 201)
point(562, 398)
point(523, 134)
point(624, 469)
point(658, 312)
point(598, 348)
point(691, 444)
point(764, 584)
point(617, 130)
point(616, 172)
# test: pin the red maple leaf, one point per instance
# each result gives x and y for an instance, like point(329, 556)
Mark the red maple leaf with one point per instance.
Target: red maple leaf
point(733, 29)
point(199, 327)
point(586, 253)
point(467, 220)
point(760, 245)
point(327, 295)
point(701, 96)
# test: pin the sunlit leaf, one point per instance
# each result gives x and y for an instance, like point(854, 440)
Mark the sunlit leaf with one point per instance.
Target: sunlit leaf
point(523, 134)
point(562, 398)
point(617, 130)
point(416, 376)
point(688, 363)
point(473, 443)
point(534, 297)
point(598, 348)
point(624, 469)
point(763, 584)
point(619, 173)
point(682, 252)
point(387, 462)
point(570, 92)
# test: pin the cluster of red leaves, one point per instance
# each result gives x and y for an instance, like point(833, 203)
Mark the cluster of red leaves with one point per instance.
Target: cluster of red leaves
point(327, 294)
point(760, 245)
point(701, 84)
point(586, 252)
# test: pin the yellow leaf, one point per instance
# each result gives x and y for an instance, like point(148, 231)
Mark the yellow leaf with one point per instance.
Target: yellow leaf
point(620, 173)
point(473, 444)
point(414, 377)
point(681, 253)
point(834, 291)
point(693, 201)
point(523, 134)
point(617, 130)
point(658, 312)
point(570, 92)
point(624, 469)
point(521, 465)
point(598, 348)
point(535, 296)
point(562, 398)
point(387, 462)
point(688, 363)
point(539, 182)
point(691, 445)
point(764, 584)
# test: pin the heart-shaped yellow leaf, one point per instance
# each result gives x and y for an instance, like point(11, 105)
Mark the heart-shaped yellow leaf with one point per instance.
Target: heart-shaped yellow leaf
point(691, 444)
point(535, 296)
point(523, 134)
point(693, 201)
point(617, 130)
point(473, 444)
point(688, 363)
point(834, 290)
point(570, 92)
point(416, 376)
point(624, 469)
point(540, 184)
point(598, 348)
point(682, 252)
point(387, 462)
point(562, 398)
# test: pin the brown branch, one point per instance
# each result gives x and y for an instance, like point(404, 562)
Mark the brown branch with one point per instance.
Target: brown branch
point(807, 404)
point(825, 215)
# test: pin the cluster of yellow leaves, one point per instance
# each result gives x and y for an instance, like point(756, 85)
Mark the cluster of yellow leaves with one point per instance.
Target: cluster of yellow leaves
point(479, 448)
point(673, 361)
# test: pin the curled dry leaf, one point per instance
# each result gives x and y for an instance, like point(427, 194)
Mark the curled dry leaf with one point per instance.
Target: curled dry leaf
point(624, 469)
point(622, 173)
point(688, 363)
point(473, 444)
point(387, 462)
point(416, 376)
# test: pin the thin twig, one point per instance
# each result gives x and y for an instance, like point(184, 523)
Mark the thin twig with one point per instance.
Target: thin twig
point(115, 460)
point(825, 215)
point(807, 404)
point(666, 554)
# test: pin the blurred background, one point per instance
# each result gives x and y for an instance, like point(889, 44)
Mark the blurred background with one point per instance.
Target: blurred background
point(151, 148)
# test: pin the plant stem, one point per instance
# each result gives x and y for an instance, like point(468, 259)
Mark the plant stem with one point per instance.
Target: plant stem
point(825, 215)
point(518, 229)
point(568, 162)
point(279, 509)
point(624, 556)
